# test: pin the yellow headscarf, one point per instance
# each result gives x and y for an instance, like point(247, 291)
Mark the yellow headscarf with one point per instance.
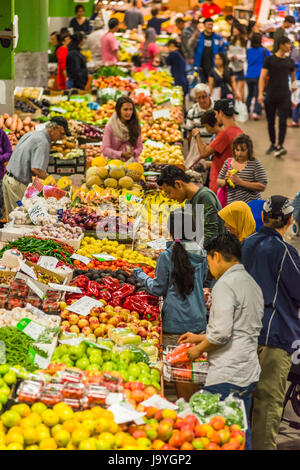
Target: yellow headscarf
point(239, 216)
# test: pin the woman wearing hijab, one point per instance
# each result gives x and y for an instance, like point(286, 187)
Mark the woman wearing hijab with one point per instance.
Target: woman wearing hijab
point(150, 52)
point(238, 219)
point(122, 134)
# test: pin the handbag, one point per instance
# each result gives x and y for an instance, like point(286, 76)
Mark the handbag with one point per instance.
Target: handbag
point(222, 193)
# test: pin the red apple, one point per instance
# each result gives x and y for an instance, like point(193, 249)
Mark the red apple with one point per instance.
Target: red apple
point(82, 323)
point(86, 330)
point(99, 331)
point(64, 314)
point(74, 329)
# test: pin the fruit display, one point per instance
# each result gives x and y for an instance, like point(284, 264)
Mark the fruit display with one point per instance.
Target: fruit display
point(154, 77)
point(120, 269)
point(162, 131)
point(90, 246)
point(24, 107)
point(168, 154)
point(58, 230)
point(28, 92)
point(73, 110)
point(112, 176)
point(114, 82)
point(103, 114)
point(111, 71)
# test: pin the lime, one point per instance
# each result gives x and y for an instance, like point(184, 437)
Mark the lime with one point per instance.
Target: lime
point(3, 398)
point(82, 363)
point(4, 368)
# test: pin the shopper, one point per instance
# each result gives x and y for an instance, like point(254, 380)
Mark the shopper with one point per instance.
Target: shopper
point(178, 186)
point(180, 272)
point(5, 154)
point(55, 44)
point(109, 43)
point(29, 159)
point(76, 63)
point(209, 9)
point(275, 266)
point(250, 179)
point(133, 17)
point(238, 220)
point(221, 81)
point(233, 22)
point(177, 64)
point(278, 68)
point(122, 135)
point(62, 54)
point(289, 22)
point(212, 127)
point(221, 146)
point(256, 56)
point(150, 56)
point(233, 327)
point(295, 56)
point(204, 102)
point(97, 13)
point(236, 54)
point(208, 45)
point(156, 22)
point(80, 23)
point(187, 33)
point(94, 40)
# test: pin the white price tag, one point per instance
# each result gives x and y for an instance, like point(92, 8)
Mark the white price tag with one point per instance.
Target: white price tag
point(30, 328)
point(142, 90)
point(161, 114)
point(36, 311)
point(47, 262)
point(27, 270)
point(124, 415)
point(114, 398)
point(159, 403)
point(56, 109)
point(132, 198)
point(71, 341)
point(74, 289)
point(40, 361)
point(36, 289)
point(36, 211)
point(104, 257)
point(152, 143)
point(83, 259)
point(159, 244)
point(84, 305)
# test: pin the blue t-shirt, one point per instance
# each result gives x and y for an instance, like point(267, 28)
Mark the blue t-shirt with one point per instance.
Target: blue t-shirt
point(255, 58)
point(177, 63)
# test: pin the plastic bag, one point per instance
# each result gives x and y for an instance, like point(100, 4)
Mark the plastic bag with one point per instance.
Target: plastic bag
point(193, 155)
point(242, 111)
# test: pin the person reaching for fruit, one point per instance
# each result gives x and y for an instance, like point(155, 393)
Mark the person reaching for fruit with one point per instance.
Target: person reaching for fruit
point(180, 272)
point(235, 321)
point(122, 134)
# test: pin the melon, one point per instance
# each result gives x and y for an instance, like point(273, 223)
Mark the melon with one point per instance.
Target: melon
point(135, 175)
point(110, 183)
point(117, 163)
point(99, 161)
point(135, 166)
point(126, 182)
point(116, 173)
point(93, 179)
point(103, 172)
point(92, 171)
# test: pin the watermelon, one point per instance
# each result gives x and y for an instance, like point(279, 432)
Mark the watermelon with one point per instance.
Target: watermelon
point(53, 191)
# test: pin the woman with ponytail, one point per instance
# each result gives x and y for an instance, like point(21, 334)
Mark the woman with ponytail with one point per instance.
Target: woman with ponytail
point(180, 272)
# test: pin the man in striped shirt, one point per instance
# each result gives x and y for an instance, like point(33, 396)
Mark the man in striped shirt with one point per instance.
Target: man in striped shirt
point(275, 266)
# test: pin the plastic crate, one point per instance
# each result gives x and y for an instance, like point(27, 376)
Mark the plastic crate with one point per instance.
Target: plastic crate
point(197, 374)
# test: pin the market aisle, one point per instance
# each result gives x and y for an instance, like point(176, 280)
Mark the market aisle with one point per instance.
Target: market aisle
point(283, 174)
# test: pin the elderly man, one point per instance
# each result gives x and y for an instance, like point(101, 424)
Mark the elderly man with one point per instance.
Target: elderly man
point(29, 159)
point(204, 102)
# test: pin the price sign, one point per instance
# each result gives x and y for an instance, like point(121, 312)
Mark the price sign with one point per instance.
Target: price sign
point(131, 197)
point(27, 270)
point(36, 289)
point(56, 109)
point(152, 143)
point(47, 262)
point(73, 289)
point(104, 257)
point(37, 211)
point(124, 415)
point(36, 311)
point(84, 305)
point(82, 259)
point(30, 328)
point(41, 362)
point(159, 244)
point(161, 114)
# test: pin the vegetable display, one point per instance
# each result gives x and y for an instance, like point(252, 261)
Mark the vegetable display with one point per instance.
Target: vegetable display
point(17, 346)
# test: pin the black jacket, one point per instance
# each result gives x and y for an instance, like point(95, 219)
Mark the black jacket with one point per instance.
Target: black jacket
point(76, 68)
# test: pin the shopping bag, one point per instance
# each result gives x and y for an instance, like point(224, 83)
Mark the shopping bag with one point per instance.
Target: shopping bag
point(222, 194)
point(242, 111)
point(216, 93)
point(193, 155)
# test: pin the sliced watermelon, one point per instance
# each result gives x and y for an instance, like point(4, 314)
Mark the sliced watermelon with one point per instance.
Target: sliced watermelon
point(53, 191)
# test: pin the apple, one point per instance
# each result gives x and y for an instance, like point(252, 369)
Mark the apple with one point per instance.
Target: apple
point(142, 332)
point(74, 329)
point(99, 331)
point(73, 319)
point(144, 323)
point(94, 323)
point(65, 323)
point(113, 321)
point(86, 330)
point(91, 337)
point(103, 317)
point(65, 328)
point(64, 314)
point(82, 323)
point(122, 325)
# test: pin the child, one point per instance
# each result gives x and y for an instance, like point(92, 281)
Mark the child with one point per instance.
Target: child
point(180, 272)
point(235, 321)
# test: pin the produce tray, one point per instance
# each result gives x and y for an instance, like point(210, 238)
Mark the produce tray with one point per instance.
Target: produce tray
point(198, 372)
point(64, 279)
point(73, 243)
point(23, 115)
point(12, 233)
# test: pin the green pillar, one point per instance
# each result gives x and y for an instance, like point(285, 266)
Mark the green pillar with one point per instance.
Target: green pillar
point(7, 60)
point(66, 8)
point(31, 58)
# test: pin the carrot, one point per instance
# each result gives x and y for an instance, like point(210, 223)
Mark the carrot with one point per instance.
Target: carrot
point(180, 358)
point(8, 122)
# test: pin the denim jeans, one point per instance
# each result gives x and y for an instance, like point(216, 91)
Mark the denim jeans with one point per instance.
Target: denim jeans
point(244, 393)
point(70, 84)
point(296, 114)
point(253, 93)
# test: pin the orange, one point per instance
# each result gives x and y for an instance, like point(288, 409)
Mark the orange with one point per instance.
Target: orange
point(129, 441)
point(217, 422)
point(119, 439)
point(102, 425)
point(22, 409)
point(105, 441)
point(79, 435)
point(113, 427)
point(70, 425)
point(55, 429)
point(88, 444)
point(48, 444)
point(50, 418)
point(14, 437)
point(35, 419)
point(30, 436)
